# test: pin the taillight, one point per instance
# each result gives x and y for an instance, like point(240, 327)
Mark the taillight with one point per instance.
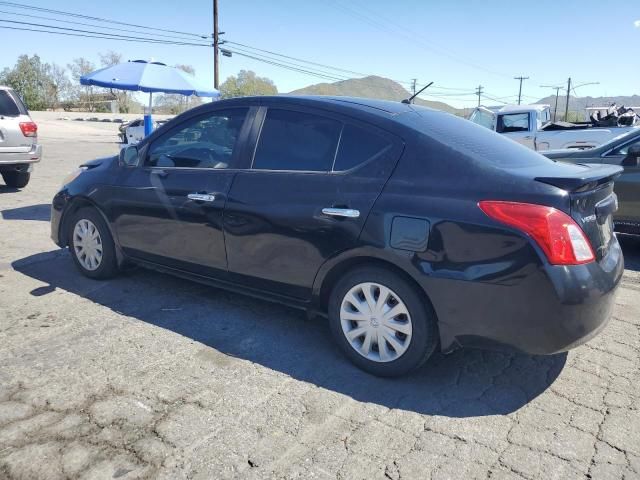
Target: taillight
point(29, 129)
point(557, 234)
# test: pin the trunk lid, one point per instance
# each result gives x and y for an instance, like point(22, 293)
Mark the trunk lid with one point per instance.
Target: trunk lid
point(592, 200)
point(12, 112)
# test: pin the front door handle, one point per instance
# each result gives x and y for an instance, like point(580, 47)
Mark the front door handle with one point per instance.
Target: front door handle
point(201, 197)
point(341, 212)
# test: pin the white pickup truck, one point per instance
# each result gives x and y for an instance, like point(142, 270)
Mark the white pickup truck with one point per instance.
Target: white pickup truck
point(531, 126)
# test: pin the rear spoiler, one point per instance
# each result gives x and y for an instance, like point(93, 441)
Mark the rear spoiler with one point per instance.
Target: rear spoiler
point(588, 179)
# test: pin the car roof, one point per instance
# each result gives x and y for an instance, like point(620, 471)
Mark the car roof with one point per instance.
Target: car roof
point(518, 108)
point(370, 105)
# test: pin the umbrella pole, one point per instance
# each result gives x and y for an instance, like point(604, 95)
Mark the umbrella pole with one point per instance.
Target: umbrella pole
point(148, 123)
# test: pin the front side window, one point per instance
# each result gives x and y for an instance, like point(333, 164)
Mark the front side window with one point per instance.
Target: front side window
point(203, 142)
point(483, 118)
point(624, 150)
point(296, 141)
point(359, 145)
point(513, 122)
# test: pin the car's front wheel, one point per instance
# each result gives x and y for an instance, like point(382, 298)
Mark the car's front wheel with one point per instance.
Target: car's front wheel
point(16, 179)
point(91, 244)
point(381, 322)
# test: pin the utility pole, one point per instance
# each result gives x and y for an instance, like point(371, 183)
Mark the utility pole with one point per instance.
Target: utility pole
point(557, 89)
point(413, 85)
point(520, 91)
point(479, 93)
point(566, 107)
point(216, 67)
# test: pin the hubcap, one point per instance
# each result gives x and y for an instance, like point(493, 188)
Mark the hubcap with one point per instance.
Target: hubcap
point(87, 244)
point(376, 322)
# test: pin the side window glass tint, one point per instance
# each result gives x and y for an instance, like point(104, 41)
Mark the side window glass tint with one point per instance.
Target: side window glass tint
point(357, 146)
point(296, 141)
point(7, 106)
point(202, 142)
point(625, 149)
point(515, 122)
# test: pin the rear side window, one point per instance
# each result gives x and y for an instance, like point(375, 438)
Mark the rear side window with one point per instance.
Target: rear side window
point(296, 141)
point(8, 106)
point(514, 122)
point(358, 146)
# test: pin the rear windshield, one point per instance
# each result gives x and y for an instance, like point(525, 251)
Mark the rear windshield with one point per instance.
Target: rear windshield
point(11, 105)
point(474, 141)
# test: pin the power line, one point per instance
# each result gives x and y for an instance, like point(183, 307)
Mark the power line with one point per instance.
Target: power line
point(116, 35)
point(75, 22)
point(96, 36)
point(409, 35)
point(99, 19)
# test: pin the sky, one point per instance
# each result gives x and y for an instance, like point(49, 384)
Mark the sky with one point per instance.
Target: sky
point(456, 44)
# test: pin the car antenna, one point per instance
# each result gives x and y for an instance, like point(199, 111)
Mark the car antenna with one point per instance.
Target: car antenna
point(410, 99)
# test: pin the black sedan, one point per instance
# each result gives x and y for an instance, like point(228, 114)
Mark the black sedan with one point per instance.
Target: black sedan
point(625, 152)
point(409, 228)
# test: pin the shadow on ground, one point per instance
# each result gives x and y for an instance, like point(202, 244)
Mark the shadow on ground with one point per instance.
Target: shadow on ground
point(464, 383)
point(6, 189)
point(631, 248)
point(31, 212)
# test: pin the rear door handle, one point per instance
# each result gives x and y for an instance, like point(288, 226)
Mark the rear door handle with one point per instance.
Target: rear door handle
point(201, 197)
point(341, 212)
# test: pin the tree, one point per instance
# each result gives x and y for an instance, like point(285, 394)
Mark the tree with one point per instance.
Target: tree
point(247, 83)
point(84, 93)
point(59, 85)
point(29, 77)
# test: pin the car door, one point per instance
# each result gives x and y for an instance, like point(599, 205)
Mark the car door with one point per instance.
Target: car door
point(627, 185)
point(311, 184)
point(518, 127)
point(168, 210)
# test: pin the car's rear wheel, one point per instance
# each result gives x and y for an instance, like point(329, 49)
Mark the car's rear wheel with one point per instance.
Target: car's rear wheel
point(16, 179)
point(382, 322)
point(91, 244)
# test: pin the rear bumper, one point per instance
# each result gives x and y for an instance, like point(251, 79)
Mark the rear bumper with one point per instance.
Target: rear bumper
point(32, 156)
point(544, 311)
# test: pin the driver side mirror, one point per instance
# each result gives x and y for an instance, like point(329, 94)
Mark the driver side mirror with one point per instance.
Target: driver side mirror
point(129, 156)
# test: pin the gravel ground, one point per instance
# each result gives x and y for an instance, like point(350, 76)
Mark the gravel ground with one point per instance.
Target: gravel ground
point(149, 376)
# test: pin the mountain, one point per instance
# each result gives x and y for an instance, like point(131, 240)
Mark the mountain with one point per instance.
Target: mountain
point(370, 87)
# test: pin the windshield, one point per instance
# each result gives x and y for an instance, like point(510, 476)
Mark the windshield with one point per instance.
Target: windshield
point(475, 142)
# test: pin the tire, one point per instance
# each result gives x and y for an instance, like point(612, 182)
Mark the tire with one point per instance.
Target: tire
point(418, 340)
point(16, 179)
point(107, 266)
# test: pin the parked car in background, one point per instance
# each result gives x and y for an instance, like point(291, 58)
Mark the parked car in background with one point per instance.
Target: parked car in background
point(624, 151)
point(531, 126)
point(409, 228)
point(133, 131)
point(19, 148)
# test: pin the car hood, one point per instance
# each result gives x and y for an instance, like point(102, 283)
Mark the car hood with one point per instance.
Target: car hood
point(99, 161)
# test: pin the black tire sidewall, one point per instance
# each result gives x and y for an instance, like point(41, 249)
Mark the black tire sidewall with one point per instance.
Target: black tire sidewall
point(16, 179)
point(424, 336)
point(108, 266)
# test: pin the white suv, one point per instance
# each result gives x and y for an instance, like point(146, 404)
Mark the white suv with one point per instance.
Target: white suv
point(19, 148)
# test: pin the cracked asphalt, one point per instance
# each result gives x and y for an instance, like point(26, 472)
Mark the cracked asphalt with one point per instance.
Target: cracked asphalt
point(149, 376)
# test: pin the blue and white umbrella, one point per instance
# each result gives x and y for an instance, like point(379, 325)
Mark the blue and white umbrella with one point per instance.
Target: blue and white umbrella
point(148, 77)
